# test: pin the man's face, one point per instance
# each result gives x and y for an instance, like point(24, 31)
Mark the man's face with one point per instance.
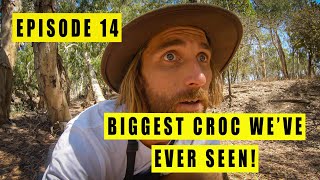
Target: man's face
point(176, 71)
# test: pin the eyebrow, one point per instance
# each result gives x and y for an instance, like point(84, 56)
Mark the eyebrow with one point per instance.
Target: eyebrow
point(205, 46)
point(173, 42)
point(176, 42)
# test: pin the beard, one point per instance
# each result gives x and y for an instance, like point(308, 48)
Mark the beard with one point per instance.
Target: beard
point(161, 103)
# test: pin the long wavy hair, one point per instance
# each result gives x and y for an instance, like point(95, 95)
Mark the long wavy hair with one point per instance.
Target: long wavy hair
point(132, 95)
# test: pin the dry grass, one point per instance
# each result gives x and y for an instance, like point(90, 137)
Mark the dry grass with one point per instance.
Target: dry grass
point(281, 159)
point(24, 143)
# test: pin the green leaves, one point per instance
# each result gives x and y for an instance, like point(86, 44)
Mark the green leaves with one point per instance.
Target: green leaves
point(299, 19)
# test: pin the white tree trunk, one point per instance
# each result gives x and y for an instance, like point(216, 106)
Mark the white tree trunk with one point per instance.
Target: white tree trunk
point(98, 95)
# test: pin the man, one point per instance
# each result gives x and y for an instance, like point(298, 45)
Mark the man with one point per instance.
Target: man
point(170, 60)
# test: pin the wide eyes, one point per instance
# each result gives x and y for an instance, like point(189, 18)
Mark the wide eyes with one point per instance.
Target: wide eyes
point(170, 56)
point(202, 57)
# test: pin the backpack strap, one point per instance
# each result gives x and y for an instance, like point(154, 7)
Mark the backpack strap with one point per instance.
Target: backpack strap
point(171, 142)
point(131, 157)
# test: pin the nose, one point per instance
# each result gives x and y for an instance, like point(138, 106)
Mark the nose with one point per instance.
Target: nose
point(195, 76)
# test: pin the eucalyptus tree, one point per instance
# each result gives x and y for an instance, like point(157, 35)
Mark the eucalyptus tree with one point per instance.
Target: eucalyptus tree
point(8, 51)
point(272, 15)
point(49, 70)
point(304, 32)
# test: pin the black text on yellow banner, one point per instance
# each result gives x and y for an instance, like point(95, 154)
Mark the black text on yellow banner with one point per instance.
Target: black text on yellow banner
point(204, 158)
point(66, 27)
point(200, 126)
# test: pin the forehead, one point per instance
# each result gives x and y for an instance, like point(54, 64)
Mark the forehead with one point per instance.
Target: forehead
point(178, 35)
point(186, 30)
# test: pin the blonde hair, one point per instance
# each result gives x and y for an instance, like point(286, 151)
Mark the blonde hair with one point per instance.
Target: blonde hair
point(132, 95)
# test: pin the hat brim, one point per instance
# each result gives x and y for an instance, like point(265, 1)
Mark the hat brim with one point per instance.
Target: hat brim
point(222, 27)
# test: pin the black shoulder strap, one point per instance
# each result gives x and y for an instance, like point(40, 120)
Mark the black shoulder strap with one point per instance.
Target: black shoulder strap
point(131, 157)
point(171, 142)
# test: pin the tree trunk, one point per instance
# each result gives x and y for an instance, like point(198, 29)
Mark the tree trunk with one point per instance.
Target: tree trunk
point(229, 87)
point(8, 51)
point(262, 57)
point(49, 80)
point(309, 64)
point(293, 66)
point(278, 45)
point(98, 95)
point(298, 65)
point(235, 76)
point(64, 77)
point(41, 103)
point(257, 71)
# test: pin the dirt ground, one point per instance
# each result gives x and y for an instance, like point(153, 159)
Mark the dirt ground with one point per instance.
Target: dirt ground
point(281, 159)
point(25, 142)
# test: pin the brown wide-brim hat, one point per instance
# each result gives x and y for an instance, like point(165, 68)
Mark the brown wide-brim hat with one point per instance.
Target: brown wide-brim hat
point(223, 30)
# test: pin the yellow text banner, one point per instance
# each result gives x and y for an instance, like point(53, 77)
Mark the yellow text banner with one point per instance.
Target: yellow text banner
point(66, 27)
point(204, 158)
point(200, 126)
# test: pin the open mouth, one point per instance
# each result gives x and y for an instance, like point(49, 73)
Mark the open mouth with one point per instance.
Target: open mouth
point(192, 105)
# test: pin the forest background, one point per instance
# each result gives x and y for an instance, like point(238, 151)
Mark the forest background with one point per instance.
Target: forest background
point(44, 85)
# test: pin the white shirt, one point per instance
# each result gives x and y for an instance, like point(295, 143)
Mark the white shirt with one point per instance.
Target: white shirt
point(82, 153)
